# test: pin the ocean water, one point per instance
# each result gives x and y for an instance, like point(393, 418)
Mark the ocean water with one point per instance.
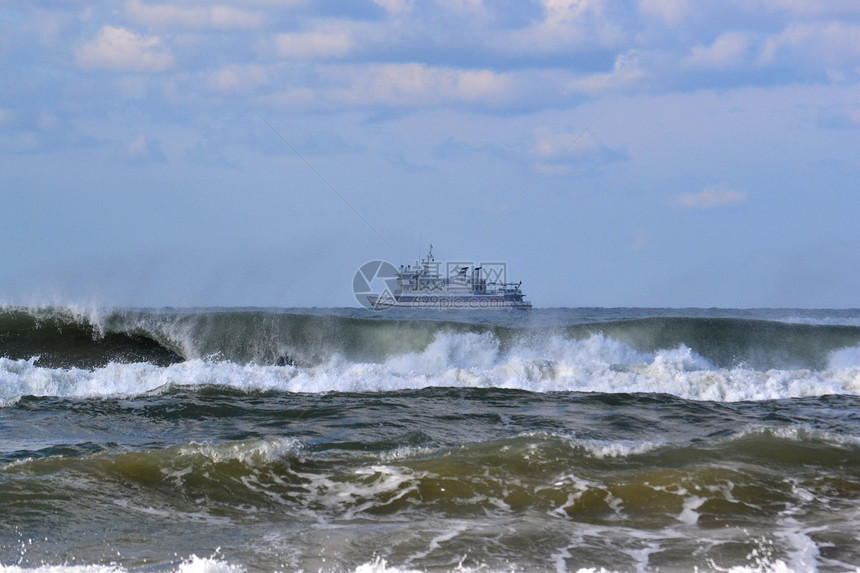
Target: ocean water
point(346, 440)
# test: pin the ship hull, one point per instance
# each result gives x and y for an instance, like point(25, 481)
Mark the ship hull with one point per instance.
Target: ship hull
point(447, 301)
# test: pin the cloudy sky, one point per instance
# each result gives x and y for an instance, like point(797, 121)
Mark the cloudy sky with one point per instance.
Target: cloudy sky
point(257, 152)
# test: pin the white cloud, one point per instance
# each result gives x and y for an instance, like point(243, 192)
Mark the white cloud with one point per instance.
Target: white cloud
point(21, 142)
point(560, 153)
point(715, 197)
point(819, 43)
point(568, 25)
point(672, 12)
point(641, 241)
point(142, 150)
point(625, 74)
point(47, 121)
point(123, 50)
point(313, 45)
point(478, 85)
point(465, 8)
point(549, 145)
point(728, 51)
point(238, 78)
point(137, 147)
point(5, 117)
point(840, 117)
point(293, 98)
point(217, 17)
point(808, 8)
point(394, 6)
point(417, 84)
point(563, 11)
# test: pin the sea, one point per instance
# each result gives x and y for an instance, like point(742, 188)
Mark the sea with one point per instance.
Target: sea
point(350, 440)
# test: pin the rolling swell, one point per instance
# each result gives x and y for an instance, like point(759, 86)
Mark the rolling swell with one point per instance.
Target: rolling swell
point(280, 338)
point(62, 338)
point(276, 337)
point(729, 342)
point(58, 339)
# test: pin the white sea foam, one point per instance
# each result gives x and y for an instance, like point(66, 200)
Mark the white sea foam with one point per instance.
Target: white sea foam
point(23, 378)
point(62, 569)
point(193, 564)
point(249, 452)
point(688, 514)
point(207, 565)
point(356, 496)
point(620, 449)
point(538, 364)
point(379, 565)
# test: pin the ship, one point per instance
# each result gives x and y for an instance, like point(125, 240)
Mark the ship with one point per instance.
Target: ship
point(466, 286)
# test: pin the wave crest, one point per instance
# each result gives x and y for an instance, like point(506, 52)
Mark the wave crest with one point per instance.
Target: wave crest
point(477, 360)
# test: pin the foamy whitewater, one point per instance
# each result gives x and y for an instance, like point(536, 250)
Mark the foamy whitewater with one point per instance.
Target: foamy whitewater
point(352, 440)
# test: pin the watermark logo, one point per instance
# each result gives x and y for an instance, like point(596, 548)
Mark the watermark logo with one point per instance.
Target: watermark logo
point(379, 285)
point(491, 273)
point(374, 285)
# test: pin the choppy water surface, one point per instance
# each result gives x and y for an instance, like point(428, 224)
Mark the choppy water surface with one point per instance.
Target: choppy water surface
point(341, 440)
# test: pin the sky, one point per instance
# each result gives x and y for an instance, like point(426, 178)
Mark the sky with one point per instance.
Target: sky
point(653, 153)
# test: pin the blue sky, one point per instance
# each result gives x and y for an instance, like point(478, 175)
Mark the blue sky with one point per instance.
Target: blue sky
point(614, 153)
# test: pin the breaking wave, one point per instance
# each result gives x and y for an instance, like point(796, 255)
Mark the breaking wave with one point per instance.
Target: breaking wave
point(57, 352)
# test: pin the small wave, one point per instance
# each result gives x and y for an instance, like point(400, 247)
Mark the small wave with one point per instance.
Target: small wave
point(253, 452)
point(799, 435)
point(617, 449)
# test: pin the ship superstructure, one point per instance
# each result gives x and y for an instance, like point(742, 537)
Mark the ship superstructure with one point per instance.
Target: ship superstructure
point(462, 286)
